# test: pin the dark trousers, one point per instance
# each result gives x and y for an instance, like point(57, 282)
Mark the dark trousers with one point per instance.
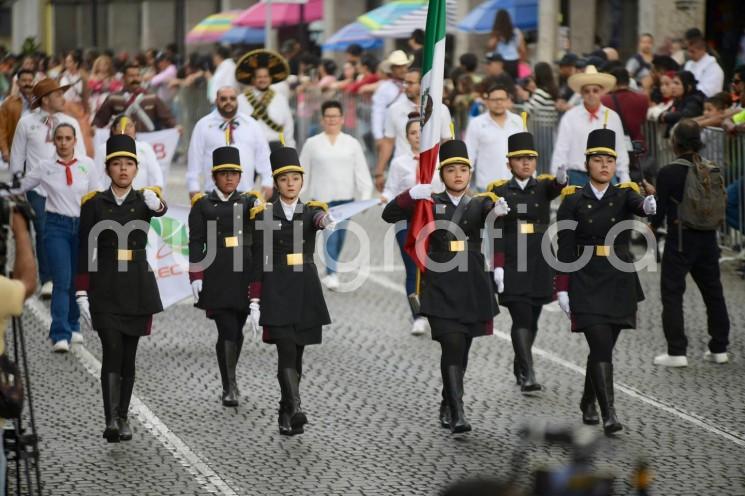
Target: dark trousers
point(700, 257)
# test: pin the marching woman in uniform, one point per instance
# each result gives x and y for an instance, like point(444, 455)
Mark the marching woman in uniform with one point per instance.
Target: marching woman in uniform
point(220, 284)
point(117, 293)
point(286, 295)
point(457, 300)
point(599, 298)
point(523, 277)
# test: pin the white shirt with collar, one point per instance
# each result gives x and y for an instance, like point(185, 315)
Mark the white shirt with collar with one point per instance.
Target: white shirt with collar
point(288, 208)
point(224, 76)
point(120, 199)
point(248, 137)
point(149, 172)
point(396, 117)
point(598, 193)
point(63, 198)
point(279, 111)
point(708, 73)
point(383, 98)
point(522, 182)
point(571, 141)
point(335, 171)
point(402, 176)
point(455, 199)
point(487, 147)
point(33, 141)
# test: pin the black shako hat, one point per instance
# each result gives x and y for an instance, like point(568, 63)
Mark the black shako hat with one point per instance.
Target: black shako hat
point(226, 158)
point(285, 159)
point(121, 145)
point(454, 152)
point(601, 142)
point(521, 145)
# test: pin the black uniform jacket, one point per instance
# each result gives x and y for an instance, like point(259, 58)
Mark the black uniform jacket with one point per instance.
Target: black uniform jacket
point(288, 284)
point(528, 220)
point(132, 291)
point(466, 296)
point(598, 288)
point(225, 279)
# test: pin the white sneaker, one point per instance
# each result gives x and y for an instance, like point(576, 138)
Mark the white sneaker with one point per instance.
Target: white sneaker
point(61, 346)
point(77, 338)
point(46, 289)
point(671, 361)
point(420, 327)
point(716, 357)
point(331, 282)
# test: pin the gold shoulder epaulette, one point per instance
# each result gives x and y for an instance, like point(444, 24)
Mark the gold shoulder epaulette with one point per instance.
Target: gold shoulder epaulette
point(568, 191)
point(496, 184)
point(88, 196)
point(257, 210)
point(196, 198)
point(631, 185)
point(154, 189)
point(318, 204)
point(492, 196)
point(257, 194)
point(548, 177)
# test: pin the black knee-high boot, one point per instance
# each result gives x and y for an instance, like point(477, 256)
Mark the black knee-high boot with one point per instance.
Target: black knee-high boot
point(587, 403)
point(444, 411)
point(220, 352)
point(522, 340)
point(453, 382)
point(231, 361)
point(602, 382)
point(127, 384)
point(289, 381)
point(110, 386)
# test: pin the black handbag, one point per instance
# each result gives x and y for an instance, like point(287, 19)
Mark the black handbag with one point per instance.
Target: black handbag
point(11, 389)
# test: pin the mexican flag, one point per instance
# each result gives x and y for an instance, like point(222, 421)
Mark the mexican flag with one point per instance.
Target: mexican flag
point(433, 75)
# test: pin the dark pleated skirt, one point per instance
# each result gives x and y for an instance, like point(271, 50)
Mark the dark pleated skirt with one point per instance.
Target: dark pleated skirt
point(131, 325)
point(441, 327)
point(301, 337)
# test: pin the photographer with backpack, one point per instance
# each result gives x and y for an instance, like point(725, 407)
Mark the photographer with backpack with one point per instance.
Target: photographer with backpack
point(691, 196)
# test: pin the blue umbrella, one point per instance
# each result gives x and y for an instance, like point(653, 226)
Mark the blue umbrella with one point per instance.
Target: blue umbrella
point(349, 34)
point(524, 14)
point(240, 34)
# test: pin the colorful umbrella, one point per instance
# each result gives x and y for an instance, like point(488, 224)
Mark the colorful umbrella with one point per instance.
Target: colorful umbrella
point(212, 28)
point(416, 19)
point(283, 14)
point(524, 14)
point(349, 34)
point(389, 12)
point(238, 34)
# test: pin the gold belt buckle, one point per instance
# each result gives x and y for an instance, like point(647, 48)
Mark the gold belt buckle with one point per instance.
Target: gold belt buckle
point(527, 228)
point(231, 242)
point(602, 250)
point(459, 245)
point(294, 258)
point(124, 255)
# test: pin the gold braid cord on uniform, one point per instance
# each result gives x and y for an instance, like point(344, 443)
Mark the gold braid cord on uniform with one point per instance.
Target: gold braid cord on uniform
point(261, 108)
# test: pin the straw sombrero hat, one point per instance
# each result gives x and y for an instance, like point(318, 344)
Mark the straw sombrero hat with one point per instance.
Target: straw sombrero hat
point(278, 67)
point(591, 76)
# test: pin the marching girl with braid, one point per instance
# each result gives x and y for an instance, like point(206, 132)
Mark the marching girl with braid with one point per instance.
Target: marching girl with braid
point(523, 277)
point(286, 294)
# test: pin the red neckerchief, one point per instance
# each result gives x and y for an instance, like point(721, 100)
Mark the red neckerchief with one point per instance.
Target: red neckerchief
point(594, 114)
point(68, 172)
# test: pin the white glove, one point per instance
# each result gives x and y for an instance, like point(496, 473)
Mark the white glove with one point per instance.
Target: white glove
point(255, 317)
point(328, 222)
point(561, 174)
point(81, 297)
point(421, 192)
point(196, 288)
point(499, 279)
point(650, 205)
point(563, 297)
point(151, 200)
point(501, 208)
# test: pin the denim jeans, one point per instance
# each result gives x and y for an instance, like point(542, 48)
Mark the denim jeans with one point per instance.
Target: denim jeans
point(61, 241)
point(580, 178)
point(334, 241)
point(409, 264)
point(38, 204)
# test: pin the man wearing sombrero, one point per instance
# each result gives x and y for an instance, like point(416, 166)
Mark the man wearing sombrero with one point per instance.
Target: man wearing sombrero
point(258, 70)
point(32, 145)
point(579, 121)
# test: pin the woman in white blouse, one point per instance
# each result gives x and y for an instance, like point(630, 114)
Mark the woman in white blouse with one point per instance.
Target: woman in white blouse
point(149, 172)
point(401, 177)
point(66, 178)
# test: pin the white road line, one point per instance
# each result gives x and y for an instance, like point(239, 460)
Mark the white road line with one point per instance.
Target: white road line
point(203, 474)
point(697, 420)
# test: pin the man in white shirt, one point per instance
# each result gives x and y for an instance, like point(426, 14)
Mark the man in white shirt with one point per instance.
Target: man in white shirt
point(224, 73)
point(486, 137)
point(335, 173)
point(33, 144)
point(259, 69)
point(704, 67)
point(580, 120)
point(387, 93)
point(227, 126)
